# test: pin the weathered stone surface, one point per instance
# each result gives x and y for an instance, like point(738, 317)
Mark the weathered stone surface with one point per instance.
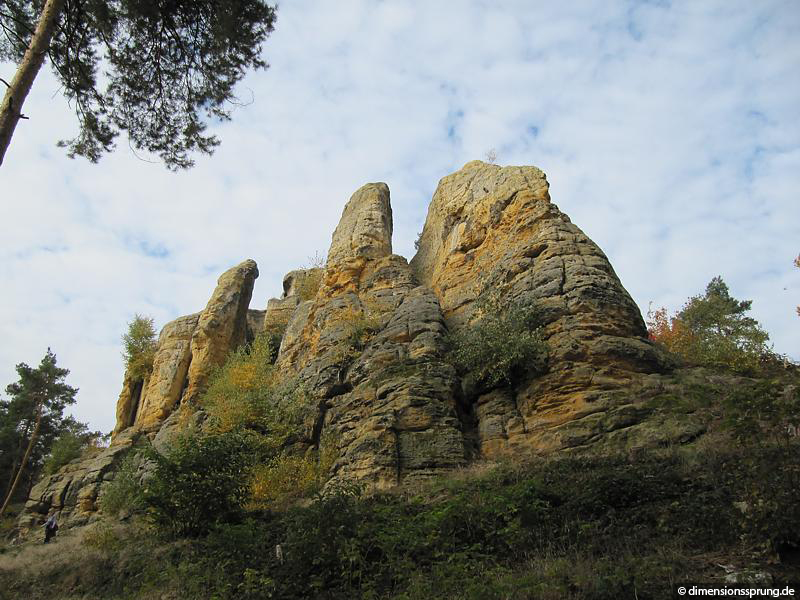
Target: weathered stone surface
point(179, 421)
point(298, 286)
point(222, 326)
point(399, 419)
point(368, 346)
point(301, 283)
point(188, 348)
point(128, 402)
point(365, 229)
point(74, 489)
point(255, 323)
point(170, 368)
point(363, 236)
point(495, 229)
point(366, 337)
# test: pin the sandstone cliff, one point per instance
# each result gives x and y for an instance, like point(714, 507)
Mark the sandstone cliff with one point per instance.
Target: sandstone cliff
point(367, 333)
point(493, 228)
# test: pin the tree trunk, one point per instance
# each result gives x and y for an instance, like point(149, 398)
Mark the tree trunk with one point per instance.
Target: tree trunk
point(24, 459)
point(17, 454)
point(11, 109)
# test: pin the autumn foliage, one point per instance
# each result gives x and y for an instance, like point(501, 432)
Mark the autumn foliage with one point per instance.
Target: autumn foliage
point(249, 396)
point(713, 330)
point(669, 331)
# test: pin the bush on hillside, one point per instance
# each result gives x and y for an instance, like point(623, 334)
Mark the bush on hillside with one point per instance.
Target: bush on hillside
point(599, 527)
point(201, 481)
point(280, 481)
point(124, 493)
point(501, 346)
point(247, 391)
point(248, 396)
point(762, 412)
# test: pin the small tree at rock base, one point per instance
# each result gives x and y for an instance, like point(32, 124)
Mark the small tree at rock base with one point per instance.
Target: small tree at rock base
point(202, 480)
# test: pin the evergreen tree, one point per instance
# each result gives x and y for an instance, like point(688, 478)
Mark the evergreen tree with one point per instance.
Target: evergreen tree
point(32, 417)
point(168, 65)
point(714, 330)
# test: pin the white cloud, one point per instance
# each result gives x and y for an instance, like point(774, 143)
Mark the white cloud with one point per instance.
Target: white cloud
point(669, 133)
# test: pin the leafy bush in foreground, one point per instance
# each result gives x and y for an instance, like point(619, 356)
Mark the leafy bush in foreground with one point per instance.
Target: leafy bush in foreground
point(201, 481)
point(502, 345)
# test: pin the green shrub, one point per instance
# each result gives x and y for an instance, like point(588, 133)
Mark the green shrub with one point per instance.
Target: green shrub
point(202, 480)
point(66, 448)
point(762, 412)
point(504, 344)
point(124, 493)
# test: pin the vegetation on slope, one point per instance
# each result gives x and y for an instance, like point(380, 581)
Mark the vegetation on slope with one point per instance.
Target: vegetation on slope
point(570, 527)
point(714, 330)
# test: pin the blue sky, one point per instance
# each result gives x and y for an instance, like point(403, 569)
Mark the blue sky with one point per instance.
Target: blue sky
point(669, 132)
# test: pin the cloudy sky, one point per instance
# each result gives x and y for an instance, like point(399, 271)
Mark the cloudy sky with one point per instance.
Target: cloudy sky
point(669, 132)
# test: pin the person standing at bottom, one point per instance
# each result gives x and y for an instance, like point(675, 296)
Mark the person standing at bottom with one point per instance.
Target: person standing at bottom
point(50, 527)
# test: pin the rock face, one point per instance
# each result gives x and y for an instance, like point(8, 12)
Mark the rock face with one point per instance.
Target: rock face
point(74, 489)
point(298, 286)
point(366, 337)
point(495, 229)
point(170, 368)
point(369, 347)
point(221, 326)
point(188, 349)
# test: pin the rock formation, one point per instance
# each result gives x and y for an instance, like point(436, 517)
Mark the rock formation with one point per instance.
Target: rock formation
point(366, 336)
point(492, 228)
point(161, 391)
point(222, 326)
point(369, 347)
